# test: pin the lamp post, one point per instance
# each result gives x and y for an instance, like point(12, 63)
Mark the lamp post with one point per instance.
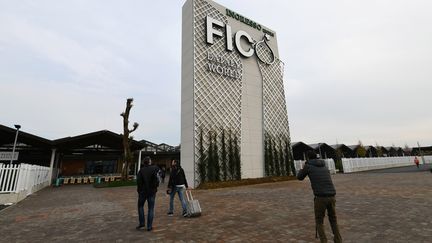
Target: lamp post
point(16, 137)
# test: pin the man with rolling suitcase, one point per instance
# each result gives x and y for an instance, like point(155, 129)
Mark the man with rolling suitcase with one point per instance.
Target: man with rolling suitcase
point(177, 184)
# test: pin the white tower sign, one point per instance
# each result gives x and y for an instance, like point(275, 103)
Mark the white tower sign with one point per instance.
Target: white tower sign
point(234, 120)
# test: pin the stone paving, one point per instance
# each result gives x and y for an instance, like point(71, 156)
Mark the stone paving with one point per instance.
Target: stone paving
point(371, 207)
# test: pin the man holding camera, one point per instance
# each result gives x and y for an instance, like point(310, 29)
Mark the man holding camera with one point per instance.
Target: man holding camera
point(324, 192)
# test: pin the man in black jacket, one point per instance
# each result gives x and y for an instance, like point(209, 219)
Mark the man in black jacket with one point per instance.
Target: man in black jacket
point(324, 192)
point(147, 183)
point(177, 184)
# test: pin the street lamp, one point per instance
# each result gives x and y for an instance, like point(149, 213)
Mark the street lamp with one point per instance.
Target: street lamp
point(16, 137)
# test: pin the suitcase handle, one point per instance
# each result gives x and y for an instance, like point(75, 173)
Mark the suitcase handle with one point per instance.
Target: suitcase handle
point(189, 195)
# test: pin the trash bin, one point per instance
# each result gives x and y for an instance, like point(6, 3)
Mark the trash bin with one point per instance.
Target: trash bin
point(58, 182)
point(98, 180)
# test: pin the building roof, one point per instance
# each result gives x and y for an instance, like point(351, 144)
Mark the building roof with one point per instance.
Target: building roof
point(353, 147)
point(340, 145)
point(301, 144)
point(104, 138)
point(320, 145)
point(7, 137)
point(315, 145)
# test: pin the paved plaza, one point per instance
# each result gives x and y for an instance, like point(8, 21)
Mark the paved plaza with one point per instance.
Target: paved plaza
point(371, 207)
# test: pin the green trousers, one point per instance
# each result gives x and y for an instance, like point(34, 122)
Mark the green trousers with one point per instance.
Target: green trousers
point(321, 205)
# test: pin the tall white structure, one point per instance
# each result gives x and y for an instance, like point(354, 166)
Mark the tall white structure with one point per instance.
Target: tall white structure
point(233, 108)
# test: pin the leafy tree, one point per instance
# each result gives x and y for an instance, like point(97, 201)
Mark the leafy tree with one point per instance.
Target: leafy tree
point(266, 156)
point(338, 160)
point(407, 150)
point(276, 160)
point(224, 157)
point(237, 159)
point(127, 138)
point(202, 168)
point(210, 161)
point(216, 158)
point(292, 166)
point(281, 159)
point(379, 150)
point(288, 158)
point(361, 151)
point(271, 159)
point(231, 162)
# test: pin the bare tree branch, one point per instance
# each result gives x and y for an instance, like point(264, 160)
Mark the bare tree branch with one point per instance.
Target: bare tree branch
point(127, 138)
point(135, 126)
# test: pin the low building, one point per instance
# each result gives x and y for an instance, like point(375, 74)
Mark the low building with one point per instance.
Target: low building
point(343, 151)
point(98, 152)
point(371, 151)
point(95, 153)
point(300, 150)
point(422, 151)
point(324, 150)
point(29, 148)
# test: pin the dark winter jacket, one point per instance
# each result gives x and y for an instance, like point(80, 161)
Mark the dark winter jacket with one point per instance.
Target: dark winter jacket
point(319, 176)
point(147, 180)
point(177, 177)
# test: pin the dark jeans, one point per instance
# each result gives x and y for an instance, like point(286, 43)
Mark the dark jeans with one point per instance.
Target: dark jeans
point(142, 198)
point(321, 204)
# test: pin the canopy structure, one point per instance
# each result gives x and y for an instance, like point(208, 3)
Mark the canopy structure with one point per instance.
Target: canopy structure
point(101, 139)
point(371, 151)
point(324, 150)
point(300, 150)
point(99, 152)
point(345, 151)
point(30, 148)
point(161, 154)
point(424, 150)
point(7, 138)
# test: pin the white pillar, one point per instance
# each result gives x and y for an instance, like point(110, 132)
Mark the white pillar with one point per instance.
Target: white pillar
point(51, 165)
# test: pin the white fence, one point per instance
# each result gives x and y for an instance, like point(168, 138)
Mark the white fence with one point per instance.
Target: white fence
point(298, 164)
point(19, 181)
point(363, 164)
point(428, 159)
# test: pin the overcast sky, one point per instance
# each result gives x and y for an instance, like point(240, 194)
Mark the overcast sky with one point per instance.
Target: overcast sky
point(354, 70)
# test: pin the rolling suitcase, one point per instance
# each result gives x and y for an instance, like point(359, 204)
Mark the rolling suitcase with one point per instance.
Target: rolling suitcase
point(193, 206)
